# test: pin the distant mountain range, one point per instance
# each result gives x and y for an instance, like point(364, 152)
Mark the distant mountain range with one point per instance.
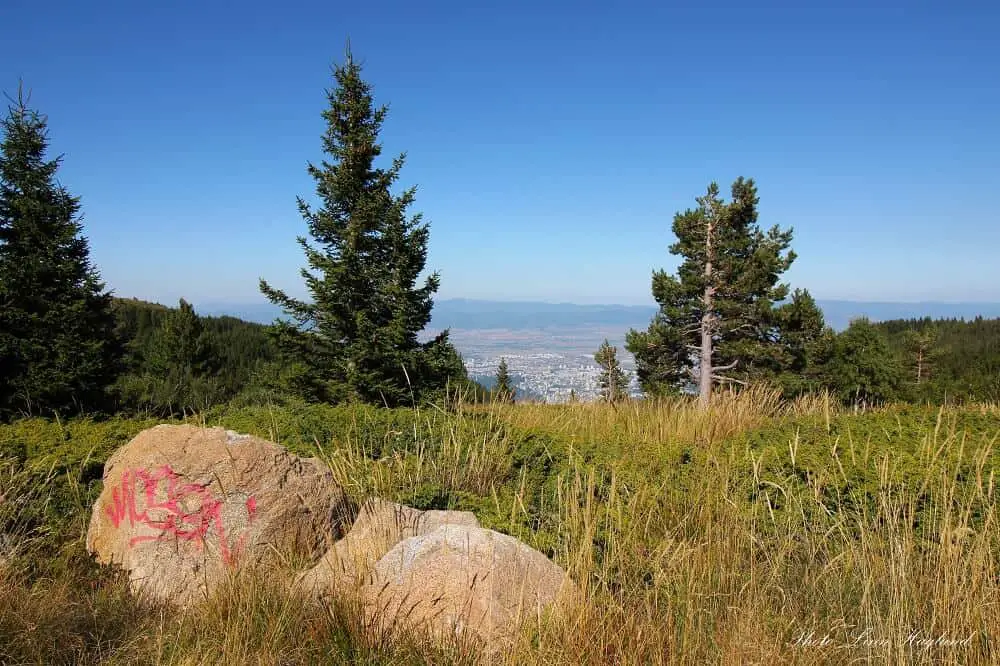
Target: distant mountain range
point(471, 314)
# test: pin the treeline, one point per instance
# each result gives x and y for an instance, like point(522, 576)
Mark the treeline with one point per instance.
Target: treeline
point(946, 360)
point(725, 317)
point(176, 361)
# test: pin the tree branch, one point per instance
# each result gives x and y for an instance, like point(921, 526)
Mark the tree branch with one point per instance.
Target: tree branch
point(721, 378)
point(728, 366)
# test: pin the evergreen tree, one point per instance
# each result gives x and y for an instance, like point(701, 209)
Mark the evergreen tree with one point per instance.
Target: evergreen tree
point(178, 346)
point(803, 345)
point(356, 339)
point(58, 351)
point(717, 314)
point(181, 358)
point(503, 390)
point(863, 369)
point(922, 352)
point(961, 363)
point(613, 381)
point(229, 357)
point(179, 369)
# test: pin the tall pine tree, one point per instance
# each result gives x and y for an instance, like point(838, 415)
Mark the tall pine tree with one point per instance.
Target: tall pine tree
point(717, 315)
point(58, 351)
point(356, 339)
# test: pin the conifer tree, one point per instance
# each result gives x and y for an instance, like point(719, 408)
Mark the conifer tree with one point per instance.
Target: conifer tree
point(613, 381)
point(178, 345)
point(58, 350)
point(356, 338)
point(863, 369)
point(801, 345)
point(716, 317)
point(503, 390)
point(180, 360)
point(177, 369)
point(921, 349)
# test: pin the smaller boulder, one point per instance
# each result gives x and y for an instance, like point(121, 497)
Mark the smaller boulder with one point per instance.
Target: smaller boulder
point(379, 526)
point(467, 581)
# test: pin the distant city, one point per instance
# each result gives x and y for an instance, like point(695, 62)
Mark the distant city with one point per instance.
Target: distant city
point(550, 347)
point(545, 364)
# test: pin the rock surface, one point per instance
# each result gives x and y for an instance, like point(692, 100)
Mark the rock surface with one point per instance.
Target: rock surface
point(379, 526)
point(465, 580)
point(181, 505)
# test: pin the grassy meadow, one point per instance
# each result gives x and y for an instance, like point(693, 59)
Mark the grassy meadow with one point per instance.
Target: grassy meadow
point(756, 532)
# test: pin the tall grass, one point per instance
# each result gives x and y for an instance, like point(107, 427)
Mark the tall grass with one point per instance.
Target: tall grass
point(708, 579)
point(827, 539)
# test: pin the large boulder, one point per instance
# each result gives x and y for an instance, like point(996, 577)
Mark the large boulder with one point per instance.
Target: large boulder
point(182, 505)
point(467, 581)
point(379, 526)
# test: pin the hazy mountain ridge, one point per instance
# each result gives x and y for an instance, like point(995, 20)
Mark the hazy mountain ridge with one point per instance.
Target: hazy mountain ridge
point(474, 314)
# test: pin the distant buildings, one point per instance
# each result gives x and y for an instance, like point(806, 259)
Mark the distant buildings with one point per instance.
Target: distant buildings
point(547, 376)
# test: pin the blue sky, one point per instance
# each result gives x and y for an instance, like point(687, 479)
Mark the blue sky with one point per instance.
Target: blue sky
point(551, 142)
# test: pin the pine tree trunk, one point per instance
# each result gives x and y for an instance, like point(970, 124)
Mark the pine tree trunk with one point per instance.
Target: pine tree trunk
point(705, 362)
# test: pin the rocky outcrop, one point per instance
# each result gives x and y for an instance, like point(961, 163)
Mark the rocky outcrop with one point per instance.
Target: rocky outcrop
point(379, 526)
point(182, 505)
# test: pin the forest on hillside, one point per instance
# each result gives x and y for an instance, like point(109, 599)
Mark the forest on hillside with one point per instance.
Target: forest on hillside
point(948, 361)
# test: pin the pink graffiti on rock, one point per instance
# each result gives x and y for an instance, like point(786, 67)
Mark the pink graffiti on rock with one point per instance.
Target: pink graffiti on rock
point(182, 511)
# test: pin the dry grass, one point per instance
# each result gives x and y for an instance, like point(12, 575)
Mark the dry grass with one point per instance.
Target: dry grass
point(713, 559)
point(707, 582)
point(652, 423)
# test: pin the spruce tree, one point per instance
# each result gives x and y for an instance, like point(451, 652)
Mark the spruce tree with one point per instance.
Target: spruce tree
point(613, 381)
point(716, 318)
point(863, 370)
point(58, 350)
point(356, 338)
point(180, 363)
point(503, 391)
point(802, 345)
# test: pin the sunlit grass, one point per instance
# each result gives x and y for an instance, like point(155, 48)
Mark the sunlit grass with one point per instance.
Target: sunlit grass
point(825, 544)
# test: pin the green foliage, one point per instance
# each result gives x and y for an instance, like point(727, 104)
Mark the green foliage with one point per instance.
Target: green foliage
point(802, 348)
point(613, 382)
point(503, 391)
point(863, 369)
point(948, 360)
point(356, 339)
point(921, 351)
point(179, 362)
point(717, 313)
point(630, 514)
point(842, 462)
point(58, 352)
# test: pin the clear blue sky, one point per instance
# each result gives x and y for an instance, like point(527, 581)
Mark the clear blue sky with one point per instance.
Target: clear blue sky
point(551, 142)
